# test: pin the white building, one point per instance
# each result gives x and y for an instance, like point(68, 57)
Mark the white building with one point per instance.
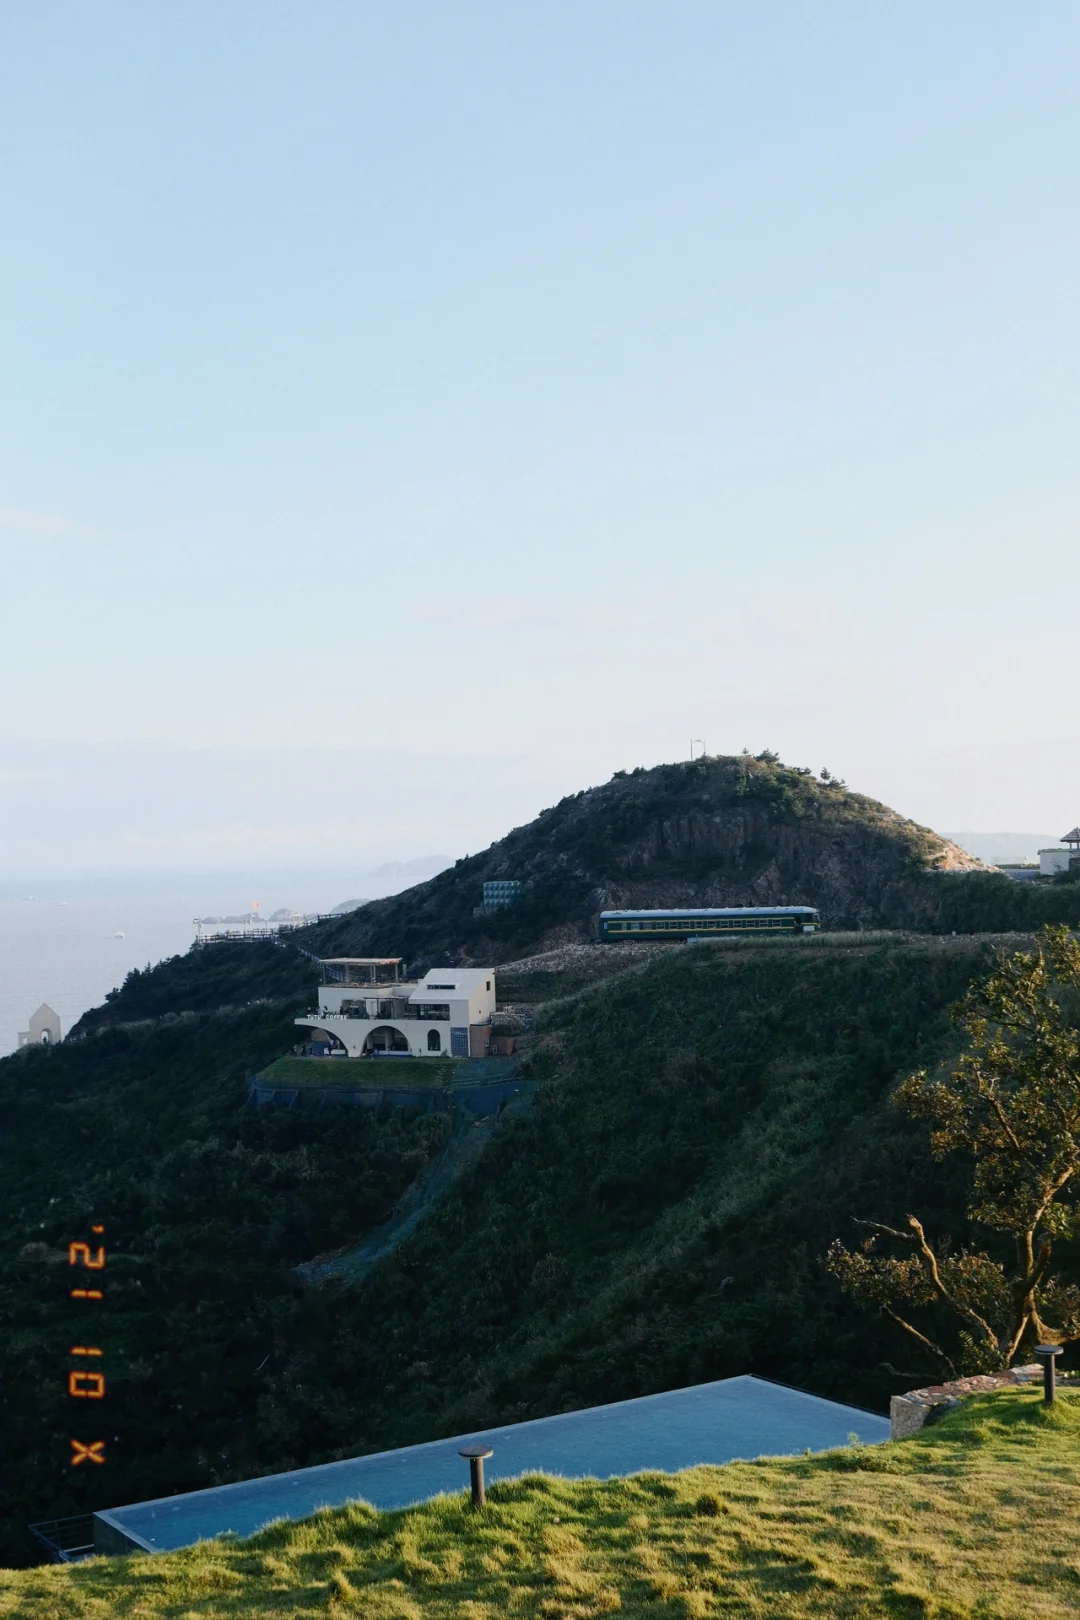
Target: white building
point(365, 1008)
point(1052, 861)
point(44, 1028)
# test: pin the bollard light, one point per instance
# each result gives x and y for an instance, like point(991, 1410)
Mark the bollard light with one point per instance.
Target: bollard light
point(1048, 1354)
point(476, 1454)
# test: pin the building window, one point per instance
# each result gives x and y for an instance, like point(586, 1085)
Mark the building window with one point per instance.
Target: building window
point(434, 1041)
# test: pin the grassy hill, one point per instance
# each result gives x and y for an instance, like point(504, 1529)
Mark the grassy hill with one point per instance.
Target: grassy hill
point(705, 1123)
point(207, 979)
point(969, 1519)
point(718, 831)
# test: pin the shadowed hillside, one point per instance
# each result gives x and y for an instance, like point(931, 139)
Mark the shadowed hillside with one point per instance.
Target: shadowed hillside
point(707, 1120)
point(705, 1124)
point(718, 831)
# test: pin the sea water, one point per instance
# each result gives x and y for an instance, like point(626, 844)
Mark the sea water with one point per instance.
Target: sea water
point(68, 942)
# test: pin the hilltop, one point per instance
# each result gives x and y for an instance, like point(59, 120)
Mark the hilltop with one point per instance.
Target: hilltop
point(951, 1524)
point(719, 831)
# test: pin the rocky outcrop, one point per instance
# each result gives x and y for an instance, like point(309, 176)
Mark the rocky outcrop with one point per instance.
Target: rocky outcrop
point(861, 871)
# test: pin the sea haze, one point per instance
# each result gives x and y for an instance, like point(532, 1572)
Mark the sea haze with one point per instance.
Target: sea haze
point(59, 940)
point(995, 848)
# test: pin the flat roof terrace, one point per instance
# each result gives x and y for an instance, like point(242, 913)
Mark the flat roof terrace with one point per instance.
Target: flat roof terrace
point(359, 970)
point(733, 1418)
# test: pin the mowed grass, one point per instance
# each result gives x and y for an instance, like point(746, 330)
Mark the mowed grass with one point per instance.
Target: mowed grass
point(977, 1517)
point(377, 1072)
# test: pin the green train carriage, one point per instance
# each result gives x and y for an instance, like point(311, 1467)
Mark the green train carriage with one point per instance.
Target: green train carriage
point(709, 922)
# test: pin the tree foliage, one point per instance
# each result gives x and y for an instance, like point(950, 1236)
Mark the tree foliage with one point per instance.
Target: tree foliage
point(1012, 1102)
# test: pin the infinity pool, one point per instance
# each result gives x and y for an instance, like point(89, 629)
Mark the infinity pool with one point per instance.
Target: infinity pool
point(707, 1423)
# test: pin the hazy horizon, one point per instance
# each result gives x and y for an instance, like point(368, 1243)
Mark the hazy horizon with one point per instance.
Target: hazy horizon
point(139, 812)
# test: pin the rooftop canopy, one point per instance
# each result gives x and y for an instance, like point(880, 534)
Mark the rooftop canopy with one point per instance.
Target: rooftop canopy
point(359, 970)
point(1072, 837)
point(361, 961)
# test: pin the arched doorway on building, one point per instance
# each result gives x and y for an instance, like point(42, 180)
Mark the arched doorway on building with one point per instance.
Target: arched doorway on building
point(385, 1038)
point(434, 1041)
point(322, 1043)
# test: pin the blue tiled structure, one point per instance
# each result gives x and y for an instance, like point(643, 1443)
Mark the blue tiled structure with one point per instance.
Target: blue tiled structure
point(501, 892)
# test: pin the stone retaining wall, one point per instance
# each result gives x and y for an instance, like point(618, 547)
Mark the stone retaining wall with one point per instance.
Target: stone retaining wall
point(908, 1413)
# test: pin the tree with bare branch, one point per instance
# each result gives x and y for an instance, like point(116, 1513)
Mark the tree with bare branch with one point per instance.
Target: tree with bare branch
point(1012, 1102)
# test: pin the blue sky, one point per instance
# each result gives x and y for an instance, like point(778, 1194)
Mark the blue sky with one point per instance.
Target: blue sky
point(493, 397)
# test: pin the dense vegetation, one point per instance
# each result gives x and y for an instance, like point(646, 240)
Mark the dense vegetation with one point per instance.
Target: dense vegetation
point(985, 902)
point(949, 1525)
point(706, 1124)
point(1011, 1106)
point(205, 980)
point(207, 1206)
point(719, 831)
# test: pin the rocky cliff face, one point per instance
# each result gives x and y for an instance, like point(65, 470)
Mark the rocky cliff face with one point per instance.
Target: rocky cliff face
point(726, 831)
point(861, 870)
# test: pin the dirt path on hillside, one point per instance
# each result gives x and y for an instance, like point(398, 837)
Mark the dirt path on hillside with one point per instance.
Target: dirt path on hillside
point(464, 1149)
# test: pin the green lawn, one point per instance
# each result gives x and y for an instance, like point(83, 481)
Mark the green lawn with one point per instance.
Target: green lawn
point(974, 1518)
point(300, 1071)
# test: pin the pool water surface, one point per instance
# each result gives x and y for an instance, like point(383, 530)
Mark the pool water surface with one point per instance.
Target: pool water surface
point(741, 1417)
